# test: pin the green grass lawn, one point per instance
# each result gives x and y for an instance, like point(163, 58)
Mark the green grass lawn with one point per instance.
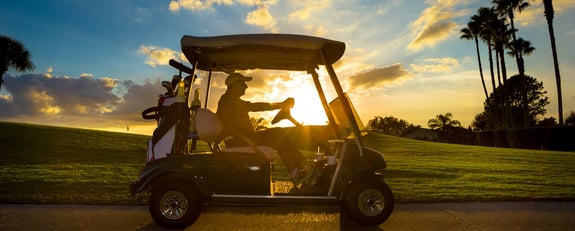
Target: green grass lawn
point(40, 164)
point(427, 171)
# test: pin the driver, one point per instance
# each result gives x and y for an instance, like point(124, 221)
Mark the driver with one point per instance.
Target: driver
point(233, 112)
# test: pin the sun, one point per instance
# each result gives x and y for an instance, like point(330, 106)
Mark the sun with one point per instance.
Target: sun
point(308, 109)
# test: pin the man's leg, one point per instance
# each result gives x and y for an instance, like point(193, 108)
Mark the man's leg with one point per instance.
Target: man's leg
point(278, 139)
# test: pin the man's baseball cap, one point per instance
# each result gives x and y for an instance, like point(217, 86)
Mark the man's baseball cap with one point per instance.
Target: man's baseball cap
point(236, 77)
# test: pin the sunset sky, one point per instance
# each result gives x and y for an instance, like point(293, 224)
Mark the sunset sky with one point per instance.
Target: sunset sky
point(98, 64)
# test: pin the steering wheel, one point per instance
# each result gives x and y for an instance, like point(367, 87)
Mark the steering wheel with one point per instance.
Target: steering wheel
point(285, 113)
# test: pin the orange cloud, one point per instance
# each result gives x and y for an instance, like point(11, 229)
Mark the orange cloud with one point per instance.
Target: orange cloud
point(307, 8)
point(160, 56)
point(378, 77)
point(435, 23)
point(261, 17)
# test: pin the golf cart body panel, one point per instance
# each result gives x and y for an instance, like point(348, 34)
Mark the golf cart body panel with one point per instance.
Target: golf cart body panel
point(211, 173)
point(182, 180)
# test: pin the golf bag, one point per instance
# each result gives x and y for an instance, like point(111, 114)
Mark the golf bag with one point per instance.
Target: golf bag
point(173, 121)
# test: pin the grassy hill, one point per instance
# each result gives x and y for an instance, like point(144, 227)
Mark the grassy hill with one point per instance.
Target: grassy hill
point(427, 171)
point(41, 164)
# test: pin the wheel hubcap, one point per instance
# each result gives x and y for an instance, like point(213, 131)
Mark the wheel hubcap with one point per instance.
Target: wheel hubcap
point(173, 205)
point(371, 202)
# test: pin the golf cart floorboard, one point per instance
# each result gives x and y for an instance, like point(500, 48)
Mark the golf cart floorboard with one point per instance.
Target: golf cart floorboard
point(282, 187)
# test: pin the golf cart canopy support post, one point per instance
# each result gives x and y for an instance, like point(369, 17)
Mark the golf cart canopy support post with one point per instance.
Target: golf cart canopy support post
point(345, 103)
point(208, 86)
point(323, 100)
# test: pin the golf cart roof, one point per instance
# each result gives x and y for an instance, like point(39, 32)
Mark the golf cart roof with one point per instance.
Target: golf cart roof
point(260, 51)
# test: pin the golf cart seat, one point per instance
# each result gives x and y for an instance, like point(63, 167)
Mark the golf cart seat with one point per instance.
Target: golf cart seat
point(210, 129)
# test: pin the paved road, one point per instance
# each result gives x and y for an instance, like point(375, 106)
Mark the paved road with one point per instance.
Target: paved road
point(435, 216)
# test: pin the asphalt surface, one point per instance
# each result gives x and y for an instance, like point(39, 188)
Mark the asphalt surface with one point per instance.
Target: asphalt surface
point(535, 215)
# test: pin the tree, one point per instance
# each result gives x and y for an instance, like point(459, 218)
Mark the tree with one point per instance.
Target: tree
point(547, 122)
point(450, 130)
point(537, 101)
point(472, 32)
point(489, 23)
point(501, 36)
point(507, 8)
point(485, 16)
point(481, 122)
point(13, 55)
point(391, 126)
point(443, 122)
point(520, 47)
point(549, 13)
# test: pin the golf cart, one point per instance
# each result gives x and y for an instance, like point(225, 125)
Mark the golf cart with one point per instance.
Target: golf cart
point(182, 179)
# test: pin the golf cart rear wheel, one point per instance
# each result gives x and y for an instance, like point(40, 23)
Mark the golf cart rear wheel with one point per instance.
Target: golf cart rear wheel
point(175, 206)
point(368, 202)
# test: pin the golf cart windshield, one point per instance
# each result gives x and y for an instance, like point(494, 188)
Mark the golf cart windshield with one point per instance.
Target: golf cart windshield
point(277, 52)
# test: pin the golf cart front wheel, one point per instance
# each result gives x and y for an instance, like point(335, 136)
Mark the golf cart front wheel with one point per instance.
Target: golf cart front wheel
point(368, 202)
point(175, 206)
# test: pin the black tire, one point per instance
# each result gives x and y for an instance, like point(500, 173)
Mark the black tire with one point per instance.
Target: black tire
point(175, 206)
point(368, 202)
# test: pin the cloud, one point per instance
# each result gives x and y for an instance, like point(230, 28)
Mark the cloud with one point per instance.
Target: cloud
point(160, 56)
point(436, 65)
point(85, 101)
point(82, 101)
point(435, 23)
point(307, 8)
point(39, 95)
point(176, 5)
point(44, 95)
point(137, 98)
point(535, 12)
point(140, 14)
point(196, 5)
point(379, 76)
point(261, 17)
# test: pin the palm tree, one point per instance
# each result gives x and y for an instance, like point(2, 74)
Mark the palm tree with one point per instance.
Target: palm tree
point(472, 32)
point(549, 13)
point(507, 8)
point(443, 123)
point(13, 55)
point(486, 16)
point(522, 48)
point(501, 36)
point(490, 33)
